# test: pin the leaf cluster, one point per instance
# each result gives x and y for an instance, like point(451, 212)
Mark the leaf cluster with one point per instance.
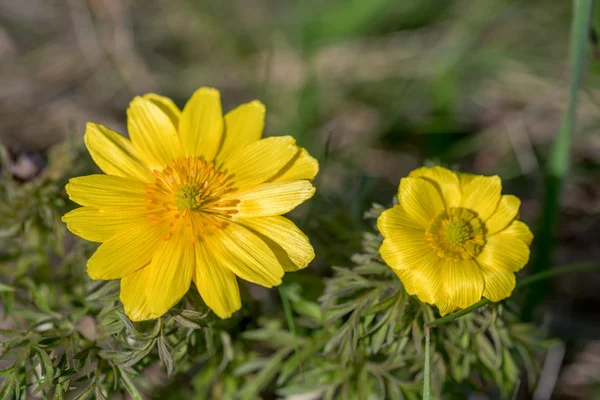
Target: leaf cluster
point(365, 337)
point(65, 337)
point(62, 336)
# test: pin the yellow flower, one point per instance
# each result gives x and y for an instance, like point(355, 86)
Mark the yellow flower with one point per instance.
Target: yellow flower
point(454, 238)
point(194, 196)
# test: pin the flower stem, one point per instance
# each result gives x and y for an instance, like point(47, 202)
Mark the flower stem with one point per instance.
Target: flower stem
point(287, 309)
point(558, 162)
point(427, 371)
point(458, 314)
point(583, 267)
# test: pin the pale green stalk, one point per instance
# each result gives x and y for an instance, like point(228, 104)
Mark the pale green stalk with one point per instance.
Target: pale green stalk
point(558, 163)
point(585, 267)
point(427, 371)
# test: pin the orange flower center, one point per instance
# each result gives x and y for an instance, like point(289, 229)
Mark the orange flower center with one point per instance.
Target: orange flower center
point(456, 234)
point(188, 194)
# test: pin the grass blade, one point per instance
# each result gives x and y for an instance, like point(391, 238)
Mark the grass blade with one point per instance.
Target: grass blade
point(558, 163)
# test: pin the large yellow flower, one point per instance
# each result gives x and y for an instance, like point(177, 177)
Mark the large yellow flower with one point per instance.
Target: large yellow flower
point(454, 238)
point(194, 196)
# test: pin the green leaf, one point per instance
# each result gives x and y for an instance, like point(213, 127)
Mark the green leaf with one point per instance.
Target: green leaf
point(133, 357)
point(308, 309)
point(48, 368)
point(186, 322)
point(10, 231)
point(250, 366)
point(253, 387)
point(7, 370)
point(6, 288)
point(382, 305)
point(378, 338)
point(7, 390)
point(58, 393)
point(272, 338)
point(102, 291)
point(291, 365)
point(129, 386)
point(509, 367)
point(487, 353)
point(164, 353)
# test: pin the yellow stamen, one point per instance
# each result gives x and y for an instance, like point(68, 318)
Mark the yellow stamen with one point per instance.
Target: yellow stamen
point(457, 234)
point(188, 195)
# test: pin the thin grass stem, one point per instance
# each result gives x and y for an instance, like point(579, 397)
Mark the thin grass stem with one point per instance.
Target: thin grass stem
point(559, 161)
point(583, 267)
point(427, 371)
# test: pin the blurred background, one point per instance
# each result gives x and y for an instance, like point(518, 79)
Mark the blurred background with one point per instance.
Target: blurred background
point(373, 88)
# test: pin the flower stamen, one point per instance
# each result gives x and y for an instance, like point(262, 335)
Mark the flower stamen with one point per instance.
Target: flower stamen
point(456, 234)
point(188, 195)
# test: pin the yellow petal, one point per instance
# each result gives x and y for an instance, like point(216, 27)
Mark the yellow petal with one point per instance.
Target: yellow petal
point(114, 154)
point(504, 250)
point(201, 124)
point(289, 244)
point(465, 178)
point(405, 249)
point(95, 225)
point(166, 105)
point(403, 244)
point(152, 133)
point(445, 180)
point(217, 284)
point(463, 282)
point(507, 210)
point(424, 280)
point(243, 126)
point(482, 195)
point(133, 296)
point(420, 199)
point(394, 219)
point(302, 166)
point(499, 282)
point(444, 305)
point(108, 192)
point(125, 252)
point(170, 272)
point(261, 160)
point(245, 254)
point(269, 199)
point(519, 230)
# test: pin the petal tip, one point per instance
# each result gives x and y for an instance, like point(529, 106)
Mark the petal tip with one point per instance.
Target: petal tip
point(229, 313)
point(311, 190)
point(93, 275)
point(259, 106)
point(207, 91)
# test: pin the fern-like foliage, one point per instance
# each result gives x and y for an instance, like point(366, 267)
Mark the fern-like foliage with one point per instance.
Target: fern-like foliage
point(365, 335)
point(64, 336)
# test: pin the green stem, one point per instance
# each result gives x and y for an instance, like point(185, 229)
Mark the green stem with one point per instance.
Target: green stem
point(558, 163)
point(427, 371)
point(289, 316)
point(565, 269)
point(458, 314)
point(584, 267)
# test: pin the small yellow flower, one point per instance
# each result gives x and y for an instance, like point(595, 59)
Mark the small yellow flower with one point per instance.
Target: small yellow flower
point(454, 238)
point(194, 196)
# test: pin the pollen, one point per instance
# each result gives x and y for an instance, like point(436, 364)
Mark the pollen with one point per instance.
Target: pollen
point(188, 194)
point(456, 234)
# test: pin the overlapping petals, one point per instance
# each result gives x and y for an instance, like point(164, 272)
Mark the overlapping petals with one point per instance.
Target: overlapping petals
point(194, 196)
point(454, 238)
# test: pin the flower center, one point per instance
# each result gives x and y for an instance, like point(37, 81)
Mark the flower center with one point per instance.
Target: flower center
point(188, 194)
point(456, 234)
